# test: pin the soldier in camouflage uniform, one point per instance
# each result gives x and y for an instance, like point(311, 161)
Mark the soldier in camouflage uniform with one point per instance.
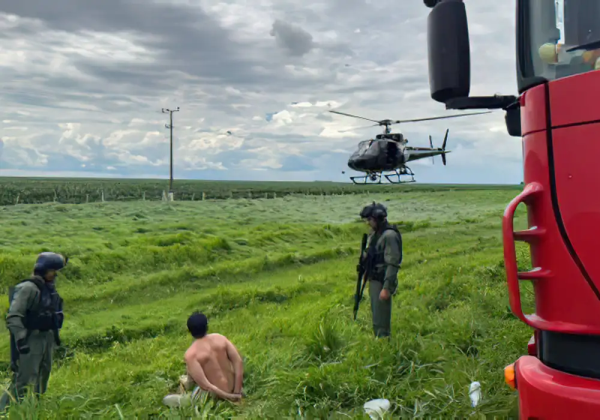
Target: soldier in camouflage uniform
point(384, 254)
point(34, 319)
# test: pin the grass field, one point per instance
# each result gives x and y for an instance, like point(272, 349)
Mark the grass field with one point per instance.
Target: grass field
point(277, 277)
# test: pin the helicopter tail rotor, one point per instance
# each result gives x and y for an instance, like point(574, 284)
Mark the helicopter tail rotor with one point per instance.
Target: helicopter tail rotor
point(431, 145)
point(445, 139)
point(444, 147)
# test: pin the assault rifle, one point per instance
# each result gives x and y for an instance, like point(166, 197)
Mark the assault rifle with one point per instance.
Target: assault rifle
point(362, 270)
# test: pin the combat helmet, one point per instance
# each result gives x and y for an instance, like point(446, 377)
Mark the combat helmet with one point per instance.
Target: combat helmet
point(374, 210)
point(49, 261)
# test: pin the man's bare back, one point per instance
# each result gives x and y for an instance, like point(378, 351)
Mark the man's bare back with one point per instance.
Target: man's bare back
point(215, 365)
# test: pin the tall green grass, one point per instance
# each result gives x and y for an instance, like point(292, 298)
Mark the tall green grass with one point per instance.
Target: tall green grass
point(276, 277)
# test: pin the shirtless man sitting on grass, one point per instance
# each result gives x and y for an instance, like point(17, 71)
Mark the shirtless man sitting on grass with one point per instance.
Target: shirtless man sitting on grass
point(213, 364)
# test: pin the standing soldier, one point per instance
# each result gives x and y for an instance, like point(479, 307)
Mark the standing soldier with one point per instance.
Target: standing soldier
point(384, 254)
point(34, 319)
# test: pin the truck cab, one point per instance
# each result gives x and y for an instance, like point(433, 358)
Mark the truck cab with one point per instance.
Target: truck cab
point(557, 115)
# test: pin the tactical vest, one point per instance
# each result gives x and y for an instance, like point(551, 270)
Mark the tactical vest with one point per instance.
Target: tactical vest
point(375, 257)
point(49, 315)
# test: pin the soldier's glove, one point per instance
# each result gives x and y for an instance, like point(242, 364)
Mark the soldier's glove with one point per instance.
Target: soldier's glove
point(56, 337)
point(22, 346)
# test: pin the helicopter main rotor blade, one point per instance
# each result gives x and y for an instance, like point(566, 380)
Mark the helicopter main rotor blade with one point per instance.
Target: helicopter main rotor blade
point(440, 118)
point(354, 116)
point(357, 128)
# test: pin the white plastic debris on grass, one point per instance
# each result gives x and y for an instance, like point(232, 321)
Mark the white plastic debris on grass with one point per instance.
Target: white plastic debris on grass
point(376, 408)
point(475, 393)
point(181, 400)
point(176, 400)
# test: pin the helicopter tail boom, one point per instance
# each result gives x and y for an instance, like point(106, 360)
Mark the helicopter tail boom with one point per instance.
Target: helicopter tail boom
point(416, 153)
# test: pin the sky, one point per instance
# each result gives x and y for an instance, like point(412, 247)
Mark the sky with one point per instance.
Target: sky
point(83, 84)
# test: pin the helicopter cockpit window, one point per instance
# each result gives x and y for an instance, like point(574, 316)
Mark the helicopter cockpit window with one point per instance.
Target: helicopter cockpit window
point(363, 146)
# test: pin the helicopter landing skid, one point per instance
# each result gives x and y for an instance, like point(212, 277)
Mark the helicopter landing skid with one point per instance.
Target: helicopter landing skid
point(376, 178)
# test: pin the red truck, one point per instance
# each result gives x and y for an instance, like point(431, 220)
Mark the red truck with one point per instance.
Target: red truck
point(557, 114)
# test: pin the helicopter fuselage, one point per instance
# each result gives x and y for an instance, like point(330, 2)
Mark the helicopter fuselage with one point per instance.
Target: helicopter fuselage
point(388, 152)
point(380, 154)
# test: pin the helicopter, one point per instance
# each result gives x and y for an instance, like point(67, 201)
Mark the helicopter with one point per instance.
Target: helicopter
point(387, 154)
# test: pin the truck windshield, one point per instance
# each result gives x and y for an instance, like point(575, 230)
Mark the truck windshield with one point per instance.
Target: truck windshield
point(562, 37)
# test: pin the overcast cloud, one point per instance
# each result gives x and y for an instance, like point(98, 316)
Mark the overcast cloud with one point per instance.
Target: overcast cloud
point(82, 84)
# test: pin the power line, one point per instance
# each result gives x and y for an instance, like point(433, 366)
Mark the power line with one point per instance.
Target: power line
point(170, 126)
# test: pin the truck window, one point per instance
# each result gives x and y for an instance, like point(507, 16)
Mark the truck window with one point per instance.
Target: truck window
point(564, 37)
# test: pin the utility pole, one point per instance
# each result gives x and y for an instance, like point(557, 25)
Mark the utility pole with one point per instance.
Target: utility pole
point(170, 126)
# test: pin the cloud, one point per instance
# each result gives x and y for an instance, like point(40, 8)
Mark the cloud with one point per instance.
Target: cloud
point(83, 83)
point(292, 38)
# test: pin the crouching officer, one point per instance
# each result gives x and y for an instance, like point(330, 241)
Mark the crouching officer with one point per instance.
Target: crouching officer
point(384, 254)
point(34, 319)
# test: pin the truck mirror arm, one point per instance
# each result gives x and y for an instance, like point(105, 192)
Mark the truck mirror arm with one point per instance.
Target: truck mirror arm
point(508, 103)
point(480, 102)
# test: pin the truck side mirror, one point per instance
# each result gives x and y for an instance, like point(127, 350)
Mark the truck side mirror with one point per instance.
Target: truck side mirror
point(449, 51)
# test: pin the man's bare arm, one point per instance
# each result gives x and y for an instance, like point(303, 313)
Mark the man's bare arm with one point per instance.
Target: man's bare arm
point(238, 366)
point(195, 370)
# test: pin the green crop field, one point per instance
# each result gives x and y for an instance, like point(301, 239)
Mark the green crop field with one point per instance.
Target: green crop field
point(77, 191)
point(277, 277)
